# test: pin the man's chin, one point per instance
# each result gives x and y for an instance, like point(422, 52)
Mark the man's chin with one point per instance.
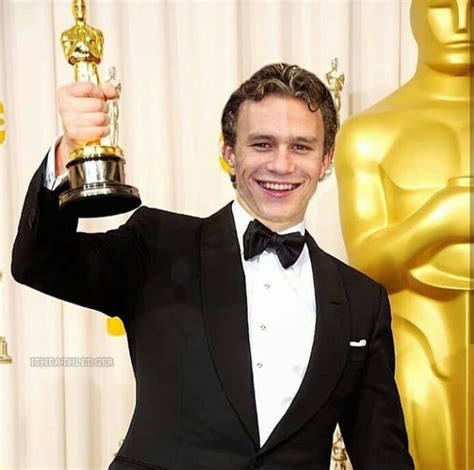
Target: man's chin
point(276, 217)
point(275, 213)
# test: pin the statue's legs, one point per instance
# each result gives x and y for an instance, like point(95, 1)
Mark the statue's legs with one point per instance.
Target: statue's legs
point(431, 330)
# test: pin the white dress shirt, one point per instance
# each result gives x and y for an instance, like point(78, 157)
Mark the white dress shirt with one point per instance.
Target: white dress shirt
point(282, 317)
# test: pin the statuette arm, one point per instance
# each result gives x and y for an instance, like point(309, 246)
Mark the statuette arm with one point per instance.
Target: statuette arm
point(380, 245)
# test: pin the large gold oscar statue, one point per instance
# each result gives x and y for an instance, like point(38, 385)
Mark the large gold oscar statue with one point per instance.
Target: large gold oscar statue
point(405, 184)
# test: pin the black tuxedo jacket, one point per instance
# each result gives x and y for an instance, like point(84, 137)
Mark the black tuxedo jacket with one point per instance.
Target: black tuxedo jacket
point(178, 284)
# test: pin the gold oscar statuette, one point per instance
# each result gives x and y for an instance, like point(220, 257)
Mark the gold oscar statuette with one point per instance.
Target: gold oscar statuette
point(96, 171)
point(4, 357)
point(336, 81)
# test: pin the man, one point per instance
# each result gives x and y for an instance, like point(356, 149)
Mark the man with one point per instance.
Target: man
point(248, 347)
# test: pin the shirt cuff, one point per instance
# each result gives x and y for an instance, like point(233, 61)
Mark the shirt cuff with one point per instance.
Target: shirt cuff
point(50, 181)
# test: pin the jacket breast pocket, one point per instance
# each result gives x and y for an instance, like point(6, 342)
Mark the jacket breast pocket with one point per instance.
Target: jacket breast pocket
point(357, 353)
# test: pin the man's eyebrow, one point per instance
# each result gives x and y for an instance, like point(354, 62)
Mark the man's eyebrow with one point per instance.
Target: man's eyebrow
point(307, 140)
point(257, 136)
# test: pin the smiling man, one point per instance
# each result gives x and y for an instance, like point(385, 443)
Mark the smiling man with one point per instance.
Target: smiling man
point(248, 342)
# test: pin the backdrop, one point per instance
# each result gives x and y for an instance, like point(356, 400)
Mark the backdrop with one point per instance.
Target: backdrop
point(178, 61)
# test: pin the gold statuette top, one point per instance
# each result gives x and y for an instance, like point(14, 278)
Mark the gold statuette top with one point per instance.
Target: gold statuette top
point(83, 46)
point(336, 83)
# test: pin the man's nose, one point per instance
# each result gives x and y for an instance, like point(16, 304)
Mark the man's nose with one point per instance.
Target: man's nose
point(281, 161)
point(463, 13)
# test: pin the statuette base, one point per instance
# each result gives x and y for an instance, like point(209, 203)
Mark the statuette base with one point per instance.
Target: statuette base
point(97, 184)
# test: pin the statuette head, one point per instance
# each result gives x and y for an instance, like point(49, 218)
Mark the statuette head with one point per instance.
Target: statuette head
point(79, 10)
point(442, 29)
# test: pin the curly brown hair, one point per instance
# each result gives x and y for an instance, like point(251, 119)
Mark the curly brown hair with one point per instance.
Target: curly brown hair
point(286, 81)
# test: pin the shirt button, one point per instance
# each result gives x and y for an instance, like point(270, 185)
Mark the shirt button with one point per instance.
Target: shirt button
point(267, 286)
point(259, 365)
point(263, 327)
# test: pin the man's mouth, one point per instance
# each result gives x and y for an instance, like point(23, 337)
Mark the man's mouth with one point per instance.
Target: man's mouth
point(274, 186)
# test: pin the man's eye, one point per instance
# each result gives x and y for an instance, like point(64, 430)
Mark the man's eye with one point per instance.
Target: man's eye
point(300, 148)
point(261, 145)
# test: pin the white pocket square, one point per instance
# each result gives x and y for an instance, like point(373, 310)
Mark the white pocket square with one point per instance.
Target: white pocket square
point(358, 344)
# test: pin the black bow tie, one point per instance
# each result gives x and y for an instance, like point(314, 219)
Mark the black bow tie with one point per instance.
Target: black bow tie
point(288, 247)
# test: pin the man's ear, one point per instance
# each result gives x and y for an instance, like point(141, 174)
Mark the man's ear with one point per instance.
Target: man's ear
point(326, 163)
point(229, 157)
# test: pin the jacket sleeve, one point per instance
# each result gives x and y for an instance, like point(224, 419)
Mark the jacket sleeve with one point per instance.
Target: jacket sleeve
point(99, 271)
point(372, 425)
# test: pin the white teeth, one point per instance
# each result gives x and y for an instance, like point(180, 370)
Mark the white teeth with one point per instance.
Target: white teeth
point(278, 186)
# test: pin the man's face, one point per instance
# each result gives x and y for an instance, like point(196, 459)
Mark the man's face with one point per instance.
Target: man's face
point(442, 29)
point(278, 158)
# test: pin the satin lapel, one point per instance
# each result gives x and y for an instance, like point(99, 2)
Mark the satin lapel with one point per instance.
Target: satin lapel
point(224, 302)
point(330, 347)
